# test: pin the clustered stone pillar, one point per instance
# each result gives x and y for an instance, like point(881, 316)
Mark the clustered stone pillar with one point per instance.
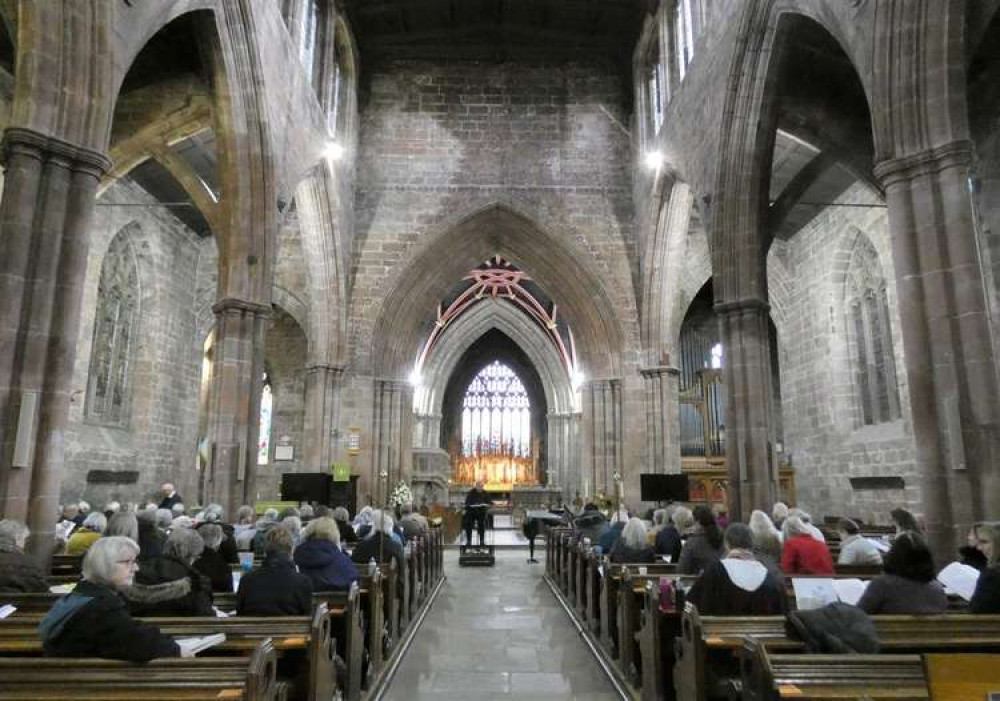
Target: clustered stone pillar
point(663, 427)
point(392, 435)
point(562, 453)
point(234, 411)
point(323, 385)
point(753, 475)
point(427, 430)
point(602, 436)
point(950, 364)
point(48, 203)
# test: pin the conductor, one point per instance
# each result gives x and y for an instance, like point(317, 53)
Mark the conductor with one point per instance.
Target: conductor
point(477, 503)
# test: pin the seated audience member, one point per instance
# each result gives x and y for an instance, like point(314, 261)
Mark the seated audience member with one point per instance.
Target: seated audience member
point(631, 545)
point(169, 585)
point(855, 549)
point(182, 522)
point(150, 538)
point(659, 519)
point(19, 572)
point(801, 553)
point(244, 530)
point(908, 584)
point(806, 519)
point(904, 521)
point(320, 558)
point(211, 562)
point(288, 511)
point(363, 522)
point(267, 521)
point(214, 513)
point(591, 523)
point(306, 513)
point(408, 521)
point(610, 535)
point(669, 540)
point(70, 513)
point(170, 496)
point(766, 540)
point(379, 544)
point(704, 545)
point(164, 517)
point(739, 585)
point(275, 588)
point(986, 598)
point(82, 512)
point(779, 512)
point(93, 620)
point(293, 524)
point(343, 520)
point(178, 509)
point(721, 515)
point(321, 510)
point(974, 552)
point(123, 524)
point(112, 508)
point(85, 536)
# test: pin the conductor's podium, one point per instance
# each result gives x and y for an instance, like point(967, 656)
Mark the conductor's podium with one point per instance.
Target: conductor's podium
point(476, 556)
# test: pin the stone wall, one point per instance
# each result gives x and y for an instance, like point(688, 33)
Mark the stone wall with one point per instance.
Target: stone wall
point(159, 438)
point(441, 141)
point(822, 436)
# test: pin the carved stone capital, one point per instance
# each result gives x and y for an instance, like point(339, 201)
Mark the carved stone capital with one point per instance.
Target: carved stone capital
point(231, 305)
point(934, 160)
point(658, 371)
point(48, 148)
point(741, 306)
point(335, 370)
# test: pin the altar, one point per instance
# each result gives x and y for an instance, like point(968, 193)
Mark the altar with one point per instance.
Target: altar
point(499, 472)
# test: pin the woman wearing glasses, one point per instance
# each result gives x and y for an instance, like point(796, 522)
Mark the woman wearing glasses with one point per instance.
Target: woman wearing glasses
point(93, 620)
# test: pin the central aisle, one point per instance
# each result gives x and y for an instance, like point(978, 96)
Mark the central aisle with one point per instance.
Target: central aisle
point(498, 633)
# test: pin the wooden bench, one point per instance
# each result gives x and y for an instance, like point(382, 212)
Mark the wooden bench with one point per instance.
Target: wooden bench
point(825, 677)
point(710, 646)
point(245, 678)
point(608, 600)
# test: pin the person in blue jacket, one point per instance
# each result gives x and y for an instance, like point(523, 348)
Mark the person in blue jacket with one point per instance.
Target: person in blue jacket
point(320, 558)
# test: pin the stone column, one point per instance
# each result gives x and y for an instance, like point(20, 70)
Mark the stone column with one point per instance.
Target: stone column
point(602, 434)
point(663, 424)
point(427, 431)
point(323, 385)
point(563, 453)
point(950, 364)
point(48, 202)
point(392, 435)
point(753, 475)
point(234, 407)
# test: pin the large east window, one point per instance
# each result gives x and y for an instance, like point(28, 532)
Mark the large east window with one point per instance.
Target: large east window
point(496, 414)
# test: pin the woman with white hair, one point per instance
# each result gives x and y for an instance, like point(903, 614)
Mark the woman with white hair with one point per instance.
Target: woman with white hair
point(320, 558)
point(93, 620)
point(363, 522)
point(123, 524)
point(92, 529)
point(803, 554)
point(343, 519)
point(293, 524)
point(19, 572)
point(169, 585)
point(766, 539)
point(631, 545)
point(670, 539)
point(379, 546)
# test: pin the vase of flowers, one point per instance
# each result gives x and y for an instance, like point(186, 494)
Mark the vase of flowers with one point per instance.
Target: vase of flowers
point(401, 494)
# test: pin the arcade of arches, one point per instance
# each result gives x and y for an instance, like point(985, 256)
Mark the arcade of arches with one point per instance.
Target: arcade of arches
point(553, 244)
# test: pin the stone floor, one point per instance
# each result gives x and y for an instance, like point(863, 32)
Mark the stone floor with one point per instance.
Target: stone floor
point(498, 633)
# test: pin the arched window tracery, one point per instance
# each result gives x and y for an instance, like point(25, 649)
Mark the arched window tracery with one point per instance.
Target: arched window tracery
point(496, 414)
point(112, 351)
point(874, 365)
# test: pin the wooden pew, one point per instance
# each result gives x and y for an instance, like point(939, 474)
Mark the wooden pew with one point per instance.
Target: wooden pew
point(66, 565)
point(821, 677)
point(309, 634)
point(242, 678)
point(710, 644)
point(610, 583)
point(552, 551)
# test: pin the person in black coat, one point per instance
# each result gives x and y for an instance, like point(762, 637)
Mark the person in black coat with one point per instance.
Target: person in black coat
point(986, 598)
point(170, 496)
point(343, 519)
point(738, 585)
point(211, 563)
point(151, 538)
point(631, 546)
point(477, 506)
point(275, 588)
point(168, 585)
point(668, 539)
point(379, 545)
point(93, 620)
point(19, 572)
point(320, 558)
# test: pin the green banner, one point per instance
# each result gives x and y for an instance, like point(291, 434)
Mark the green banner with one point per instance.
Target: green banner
point(341, 472)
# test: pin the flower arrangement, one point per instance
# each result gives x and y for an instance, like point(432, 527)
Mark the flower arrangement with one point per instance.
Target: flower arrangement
point(400, 495)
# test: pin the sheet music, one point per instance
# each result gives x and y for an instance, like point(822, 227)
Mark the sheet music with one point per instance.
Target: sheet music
point(813, 593)
point(62, 588)
point(850, 591)
point(7, 609)
point(192, 646)
point(959, 579)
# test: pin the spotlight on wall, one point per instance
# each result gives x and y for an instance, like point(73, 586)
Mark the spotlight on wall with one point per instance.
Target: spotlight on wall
point(414, 378)
point(577, 380)
point(333, 151)
point(653, 160)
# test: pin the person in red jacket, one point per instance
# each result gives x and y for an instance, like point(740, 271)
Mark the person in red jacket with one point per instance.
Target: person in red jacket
point(803, 554)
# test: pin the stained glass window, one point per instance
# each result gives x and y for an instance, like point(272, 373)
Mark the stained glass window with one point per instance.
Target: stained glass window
point(264, 429)
point(875, 383)
point(496, 414)
point(109, 381)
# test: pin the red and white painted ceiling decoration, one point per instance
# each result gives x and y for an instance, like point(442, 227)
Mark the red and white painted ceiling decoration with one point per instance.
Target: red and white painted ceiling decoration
point(500, 279)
